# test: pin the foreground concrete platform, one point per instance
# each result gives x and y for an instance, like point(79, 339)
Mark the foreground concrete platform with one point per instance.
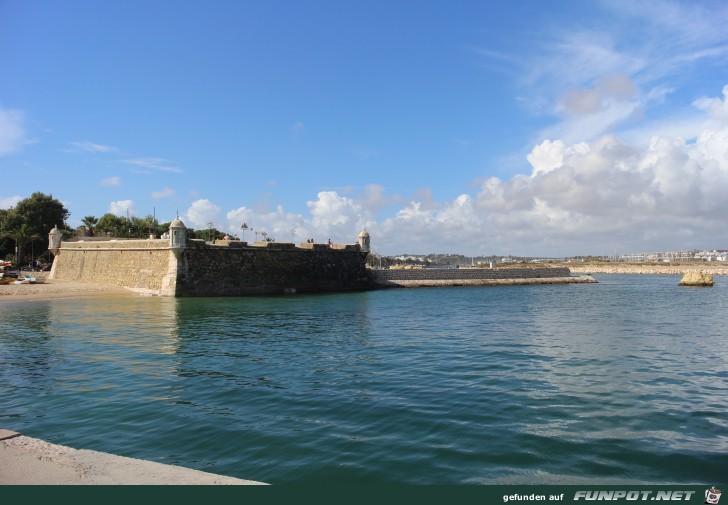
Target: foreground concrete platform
point(25, 460)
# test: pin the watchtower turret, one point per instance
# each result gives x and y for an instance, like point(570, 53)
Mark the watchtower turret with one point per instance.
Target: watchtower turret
point(54, 240)
point(364, 241)
point(177, 234)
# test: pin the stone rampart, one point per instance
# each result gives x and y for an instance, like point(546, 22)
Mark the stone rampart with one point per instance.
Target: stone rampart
point(227, 268)
point(224, 271)
point(141, 265)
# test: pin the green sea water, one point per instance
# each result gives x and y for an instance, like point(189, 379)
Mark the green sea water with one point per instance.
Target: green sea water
point(625, 381)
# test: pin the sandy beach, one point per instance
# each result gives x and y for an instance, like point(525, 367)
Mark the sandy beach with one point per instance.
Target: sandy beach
point(46, 288)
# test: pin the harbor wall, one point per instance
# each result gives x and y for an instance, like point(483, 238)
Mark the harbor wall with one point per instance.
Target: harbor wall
point(466, 276)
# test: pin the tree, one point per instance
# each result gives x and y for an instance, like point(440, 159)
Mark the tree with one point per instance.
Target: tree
point(90, 223)
point(6, 242)
point(110, 224)
point(39, 213)
point(21, 235)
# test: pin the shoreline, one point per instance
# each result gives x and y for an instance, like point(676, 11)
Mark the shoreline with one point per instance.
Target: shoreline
point(636, 269)
point(31, 461)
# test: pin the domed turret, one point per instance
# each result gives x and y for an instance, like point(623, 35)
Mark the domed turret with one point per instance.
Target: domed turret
point(364, 241)
point(177, 234)
point(54, 240)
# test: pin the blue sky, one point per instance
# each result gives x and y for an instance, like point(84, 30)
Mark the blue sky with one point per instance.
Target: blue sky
point(525, 128)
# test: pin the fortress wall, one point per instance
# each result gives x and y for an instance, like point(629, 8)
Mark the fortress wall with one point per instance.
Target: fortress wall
point(140, 265)
point(443, 277)
point(268, 269)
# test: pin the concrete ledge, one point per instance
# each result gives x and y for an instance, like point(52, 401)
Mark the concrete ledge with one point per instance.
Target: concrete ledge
point(7, 434)
point(25, 460)
point(583, 279)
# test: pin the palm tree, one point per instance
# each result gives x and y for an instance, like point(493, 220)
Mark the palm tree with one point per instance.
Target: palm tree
point(90, 223)
point(22, 234)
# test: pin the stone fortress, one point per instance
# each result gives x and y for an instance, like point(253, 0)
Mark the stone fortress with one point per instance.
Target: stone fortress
point(177, 266)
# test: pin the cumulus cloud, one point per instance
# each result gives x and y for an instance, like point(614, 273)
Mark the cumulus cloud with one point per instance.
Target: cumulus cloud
point(111, 181)
point(277, 223)
point(202, 212)
point(337, 215)
point(611, 195)
point(12, 131)
point(122, 208)
point(7, 202)
point(163, 193)
point(332, 216)
point(374, 198)
point(716, 108)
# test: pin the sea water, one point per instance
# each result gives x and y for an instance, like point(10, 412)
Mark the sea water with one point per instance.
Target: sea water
point(625, 381)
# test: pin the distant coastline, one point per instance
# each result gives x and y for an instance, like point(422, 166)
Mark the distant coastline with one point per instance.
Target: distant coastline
point(647, 268)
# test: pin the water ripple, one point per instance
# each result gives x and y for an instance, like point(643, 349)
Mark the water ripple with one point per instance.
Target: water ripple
point(623, 381)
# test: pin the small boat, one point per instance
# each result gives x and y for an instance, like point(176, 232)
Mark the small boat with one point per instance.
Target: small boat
point(26, 279)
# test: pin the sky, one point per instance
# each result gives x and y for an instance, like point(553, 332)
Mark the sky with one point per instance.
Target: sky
point(523, 128)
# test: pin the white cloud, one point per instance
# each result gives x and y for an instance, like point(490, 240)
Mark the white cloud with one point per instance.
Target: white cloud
point(122, 208)
point(158, 164)
point(716, 108)
point(12, 131)
point(90, 147)
point(111, 181)
point(7, 202)
point(278, 224)
point(202, 212)
point(333, 214)
point(549, 155)
point(163, 193)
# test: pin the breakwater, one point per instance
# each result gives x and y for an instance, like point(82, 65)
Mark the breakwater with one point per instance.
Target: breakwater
point(474, 277)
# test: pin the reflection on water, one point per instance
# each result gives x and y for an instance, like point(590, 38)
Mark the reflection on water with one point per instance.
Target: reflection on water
point(615, 382)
